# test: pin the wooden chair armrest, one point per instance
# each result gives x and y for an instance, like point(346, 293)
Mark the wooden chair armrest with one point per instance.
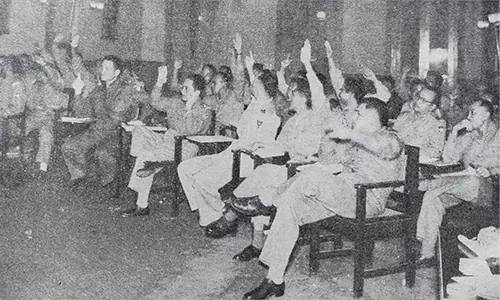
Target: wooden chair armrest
point(379, 185)
point(293, 165)
point(361, 189)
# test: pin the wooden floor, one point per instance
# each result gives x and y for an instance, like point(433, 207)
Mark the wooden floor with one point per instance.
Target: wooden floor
point(55, 244)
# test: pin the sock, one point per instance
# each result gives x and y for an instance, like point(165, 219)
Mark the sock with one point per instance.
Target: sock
point(230, 215)
point(276, 278)
point(142, 200)
point(258, 239)
point(43, 167)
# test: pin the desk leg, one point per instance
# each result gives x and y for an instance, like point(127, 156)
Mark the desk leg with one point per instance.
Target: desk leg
point(120, 162)
point(174, 205)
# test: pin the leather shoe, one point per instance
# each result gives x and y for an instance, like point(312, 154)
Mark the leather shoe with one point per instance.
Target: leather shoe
point(136, 212)
point(251, 206)
point(221, 228)
point(150, 167)
point(75, 183)
point(265, 290)
point(249, 253)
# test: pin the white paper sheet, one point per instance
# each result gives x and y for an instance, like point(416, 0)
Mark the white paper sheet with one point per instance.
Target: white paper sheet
point(75, 120)
point(205, 139)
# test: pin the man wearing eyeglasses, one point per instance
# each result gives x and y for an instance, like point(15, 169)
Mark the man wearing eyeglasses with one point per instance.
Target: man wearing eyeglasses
point(422, 126)
point(475, 142)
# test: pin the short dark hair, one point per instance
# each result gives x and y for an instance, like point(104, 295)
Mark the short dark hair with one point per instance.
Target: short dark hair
point(210, 67)
point(434, 79)
point(117, 62)
point(487, 105)
point(225, 73)
point(16, 65)
point(379, 106)
point(258, 67)
point(269, 82)
point(353, 85)
point(198, 83)
point(303, 88)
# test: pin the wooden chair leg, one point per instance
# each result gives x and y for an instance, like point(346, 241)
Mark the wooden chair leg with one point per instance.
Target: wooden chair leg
point(174, 203)
point(314, 249)
point(359, 265)
point(411, 257)
point(338, 243)
point(369, 248)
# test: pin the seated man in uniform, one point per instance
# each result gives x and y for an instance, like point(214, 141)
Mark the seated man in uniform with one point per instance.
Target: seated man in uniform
point(110, 104)
point(422, 126)
point(372, 154)
point(44, 88)
point(475, 142)
point(186, 115)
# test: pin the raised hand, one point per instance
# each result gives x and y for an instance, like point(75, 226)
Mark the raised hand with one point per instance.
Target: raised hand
point(483, 172)
point(286, 62)
point(305, 53)
point(249, 61)
point(162, 75)
point(75, 41)
point(328, 48)
point(59, 38)
point(78, 84)
point(369, 74)
point(237, 43)
point(177, 64)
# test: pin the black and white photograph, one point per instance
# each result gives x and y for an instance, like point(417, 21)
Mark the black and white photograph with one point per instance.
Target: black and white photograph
point(249, 149)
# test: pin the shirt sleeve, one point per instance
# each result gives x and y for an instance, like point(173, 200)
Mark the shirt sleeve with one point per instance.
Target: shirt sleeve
point(196, 122)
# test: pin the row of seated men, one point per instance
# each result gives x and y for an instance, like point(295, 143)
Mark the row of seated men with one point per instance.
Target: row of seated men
point(352, 141)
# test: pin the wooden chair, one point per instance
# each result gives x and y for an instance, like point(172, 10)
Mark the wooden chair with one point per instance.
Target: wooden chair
point(227, 190)
point(466, 219)
point(363, 230)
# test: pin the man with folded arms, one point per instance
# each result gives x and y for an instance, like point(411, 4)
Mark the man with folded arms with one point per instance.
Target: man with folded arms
point(372, 154)
point(186, 115)
point(475, 142)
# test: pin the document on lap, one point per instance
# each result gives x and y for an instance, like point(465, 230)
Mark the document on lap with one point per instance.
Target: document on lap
point(331, 168)
point(268, 152)
point(203, 139)
point(76, 120)
point(130, 126)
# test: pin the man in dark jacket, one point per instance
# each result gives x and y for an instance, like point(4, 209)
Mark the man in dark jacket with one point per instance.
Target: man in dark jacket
point(110, 104)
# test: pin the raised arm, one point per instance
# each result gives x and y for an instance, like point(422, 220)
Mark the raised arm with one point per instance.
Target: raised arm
point(318, 97)
point(156, 98)
point(403, 89)
point(383, 145)
point(381, 91)
point(79, 68)
point(174, 84)
point(249, 62)
point(282, 85)
point(61, 58)
point(336, 76)
point(240, 84)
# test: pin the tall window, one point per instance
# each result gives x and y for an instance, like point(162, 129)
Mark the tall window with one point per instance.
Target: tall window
point(110, 25)
point(4, 16)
